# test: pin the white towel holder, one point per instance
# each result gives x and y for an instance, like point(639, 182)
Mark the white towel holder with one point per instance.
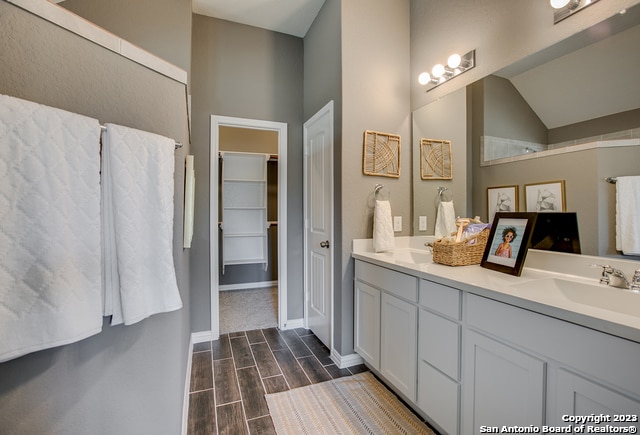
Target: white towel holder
point(442, 196)
point(377, 190)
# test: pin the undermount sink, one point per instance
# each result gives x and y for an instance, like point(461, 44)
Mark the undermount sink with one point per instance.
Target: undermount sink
point(593, 295)
point(412, 256)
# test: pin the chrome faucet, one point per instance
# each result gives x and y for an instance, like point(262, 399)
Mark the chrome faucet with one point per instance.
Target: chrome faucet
point(616, 278)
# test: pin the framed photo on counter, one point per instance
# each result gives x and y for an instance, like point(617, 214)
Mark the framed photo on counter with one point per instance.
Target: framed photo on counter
point(508, 242)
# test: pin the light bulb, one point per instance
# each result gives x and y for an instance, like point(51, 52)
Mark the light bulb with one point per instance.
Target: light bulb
point(424, 78)
point(454, 61)
point(437, 71)
point(559, 4)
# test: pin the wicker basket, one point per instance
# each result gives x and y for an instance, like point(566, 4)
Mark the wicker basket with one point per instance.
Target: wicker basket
point(461, 253)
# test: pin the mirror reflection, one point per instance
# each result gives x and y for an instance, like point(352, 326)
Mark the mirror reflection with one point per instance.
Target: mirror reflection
point(570, 112)
point(576, 98)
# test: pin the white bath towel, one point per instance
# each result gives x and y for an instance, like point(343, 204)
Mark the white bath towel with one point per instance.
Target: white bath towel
point(50, 290)
point(138, 169)
point(628, 215)
point(445, 219)
point(383, 238)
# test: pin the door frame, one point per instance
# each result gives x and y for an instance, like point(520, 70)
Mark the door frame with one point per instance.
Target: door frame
point(328, 108)
point(255, 124)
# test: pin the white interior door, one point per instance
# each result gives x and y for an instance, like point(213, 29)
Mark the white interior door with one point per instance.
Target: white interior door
point(318, 210)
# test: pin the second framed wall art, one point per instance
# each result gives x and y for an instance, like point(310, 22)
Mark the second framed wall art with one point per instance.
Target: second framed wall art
point(545, 197)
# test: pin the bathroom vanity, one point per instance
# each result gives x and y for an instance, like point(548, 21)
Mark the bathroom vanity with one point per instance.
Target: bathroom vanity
point(472, 349)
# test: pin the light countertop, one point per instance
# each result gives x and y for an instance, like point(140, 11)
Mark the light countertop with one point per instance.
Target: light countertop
point(610, 316)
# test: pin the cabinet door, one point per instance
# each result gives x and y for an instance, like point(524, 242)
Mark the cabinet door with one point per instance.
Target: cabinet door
point(577, 395)
point(398, 355)
point(502, 385)
point(367, 323)
point(439, 398)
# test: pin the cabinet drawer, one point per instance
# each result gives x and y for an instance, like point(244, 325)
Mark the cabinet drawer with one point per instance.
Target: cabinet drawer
point(445, 300)
point(396, 283)
point(438, 397)
point(439, 343)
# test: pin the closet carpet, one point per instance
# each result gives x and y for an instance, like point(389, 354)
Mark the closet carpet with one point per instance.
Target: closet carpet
point(246, 310)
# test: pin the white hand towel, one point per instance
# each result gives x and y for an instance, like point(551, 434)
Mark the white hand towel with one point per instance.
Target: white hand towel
point(383, 238)
point(445, 219)
point(50, 265)
point(628, 215)
point(139, 271)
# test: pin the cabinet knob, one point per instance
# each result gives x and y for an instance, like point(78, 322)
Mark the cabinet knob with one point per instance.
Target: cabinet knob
point(324, 244)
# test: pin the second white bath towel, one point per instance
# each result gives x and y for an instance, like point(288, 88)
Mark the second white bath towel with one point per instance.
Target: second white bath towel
point(445, 219)
point(628, 215)
point(137, 177)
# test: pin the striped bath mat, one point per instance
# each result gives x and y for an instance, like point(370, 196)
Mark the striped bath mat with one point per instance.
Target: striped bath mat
point(356, 404)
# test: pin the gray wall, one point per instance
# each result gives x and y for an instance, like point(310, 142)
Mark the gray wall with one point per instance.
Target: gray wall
point(357, 54)
point(376, 96)
point(159, 26)
point(507, 114)
point(586, 191)
point(245, 72)
point(599, 126)
point(127, 379)
point(323, 83)
point(445, 119)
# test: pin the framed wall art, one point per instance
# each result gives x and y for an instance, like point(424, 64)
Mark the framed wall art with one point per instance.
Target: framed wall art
point(508, 242)
point(436, 162)
point(545, 197)
point(381, 154)
point(501, 199)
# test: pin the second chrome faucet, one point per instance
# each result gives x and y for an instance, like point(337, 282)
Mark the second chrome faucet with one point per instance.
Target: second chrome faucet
point(616, 278)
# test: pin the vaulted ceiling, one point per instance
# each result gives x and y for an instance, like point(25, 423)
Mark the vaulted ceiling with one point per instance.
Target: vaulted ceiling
point(293, 17)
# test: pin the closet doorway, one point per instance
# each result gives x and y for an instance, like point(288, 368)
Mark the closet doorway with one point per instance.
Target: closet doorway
point(245, 142)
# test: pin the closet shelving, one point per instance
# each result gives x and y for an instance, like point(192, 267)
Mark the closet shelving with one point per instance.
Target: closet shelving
point(244, 209)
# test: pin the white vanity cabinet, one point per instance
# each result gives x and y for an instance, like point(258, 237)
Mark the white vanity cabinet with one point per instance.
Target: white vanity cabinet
point(439, 349)
point(386, 324)
point(469, 363)
point(523, 368)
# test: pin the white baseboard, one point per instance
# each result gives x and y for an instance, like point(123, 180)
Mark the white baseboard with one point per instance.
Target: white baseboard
point(247, 285)
point(294, 323)
point(344, 361)
point(187, 388)
point(201, 337)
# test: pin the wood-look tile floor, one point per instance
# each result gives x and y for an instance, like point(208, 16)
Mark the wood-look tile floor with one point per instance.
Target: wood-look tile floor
point(230, 376)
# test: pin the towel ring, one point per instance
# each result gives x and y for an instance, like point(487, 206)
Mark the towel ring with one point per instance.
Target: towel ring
point(377, 192)
point(444, 195)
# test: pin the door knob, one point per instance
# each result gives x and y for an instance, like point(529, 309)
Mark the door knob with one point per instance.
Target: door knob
point(324, 244)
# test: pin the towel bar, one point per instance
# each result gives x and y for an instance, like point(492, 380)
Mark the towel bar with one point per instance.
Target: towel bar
point(178, 144)
point(611, 180)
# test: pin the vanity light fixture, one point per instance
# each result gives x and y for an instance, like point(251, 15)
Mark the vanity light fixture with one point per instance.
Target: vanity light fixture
point(566, 8)
point(455, 66)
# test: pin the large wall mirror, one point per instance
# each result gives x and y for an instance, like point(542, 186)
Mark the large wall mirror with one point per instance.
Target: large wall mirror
point(553, 115)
